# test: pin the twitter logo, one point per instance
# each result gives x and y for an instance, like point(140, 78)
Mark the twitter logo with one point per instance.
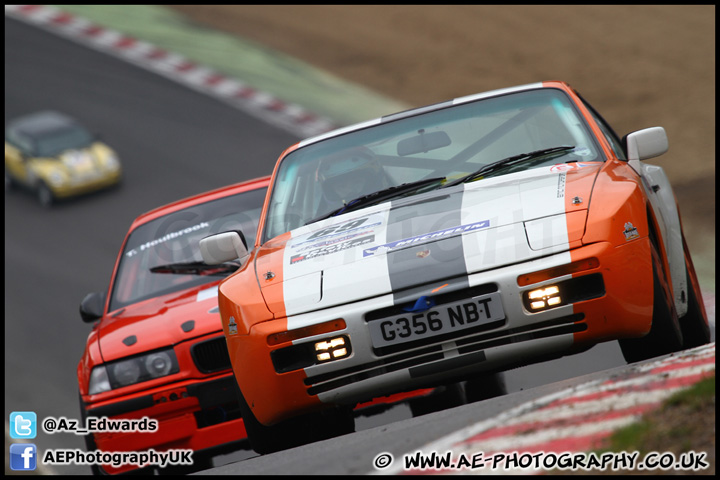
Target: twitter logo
point(23, 425)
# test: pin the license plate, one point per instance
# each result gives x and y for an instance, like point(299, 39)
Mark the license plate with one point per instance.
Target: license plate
point(439, 320)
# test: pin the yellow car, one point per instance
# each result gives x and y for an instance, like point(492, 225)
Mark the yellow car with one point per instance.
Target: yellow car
point(56, 157)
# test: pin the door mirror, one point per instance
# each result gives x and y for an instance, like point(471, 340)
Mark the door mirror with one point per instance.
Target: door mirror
point(645, 144)
point(223, 247)
point(92, 307)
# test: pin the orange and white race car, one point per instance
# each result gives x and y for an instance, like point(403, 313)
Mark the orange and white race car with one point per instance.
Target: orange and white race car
point(444, 245)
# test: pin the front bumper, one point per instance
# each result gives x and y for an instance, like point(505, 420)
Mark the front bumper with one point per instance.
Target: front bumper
point(190, 415)
point(616, 304)
point(83, 186)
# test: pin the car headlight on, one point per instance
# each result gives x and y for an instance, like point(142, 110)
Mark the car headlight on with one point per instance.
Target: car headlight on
point(130, 371)
point(543, 298)
point(332, 349)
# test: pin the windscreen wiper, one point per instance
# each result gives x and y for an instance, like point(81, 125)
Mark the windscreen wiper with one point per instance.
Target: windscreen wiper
point(379, 196)
point(485, 169)
point(196, 268)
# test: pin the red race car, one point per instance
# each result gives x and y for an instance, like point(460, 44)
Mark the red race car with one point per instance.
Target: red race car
point(157, 349)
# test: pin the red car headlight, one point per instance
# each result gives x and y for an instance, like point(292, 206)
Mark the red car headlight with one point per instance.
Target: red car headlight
point(132, 370)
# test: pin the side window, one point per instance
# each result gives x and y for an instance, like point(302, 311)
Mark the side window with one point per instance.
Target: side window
point(610, 135)
point(19, 141)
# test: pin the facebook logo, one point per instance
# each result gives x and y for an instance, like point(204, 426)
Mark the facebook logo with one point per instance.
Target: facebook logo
point(23, 425)
point(23, 456)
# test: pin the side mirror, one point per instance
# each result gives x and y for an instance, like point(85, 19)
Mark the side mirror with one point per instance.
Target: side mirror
point(92, 307)
point(645, 144)
point(223, 247)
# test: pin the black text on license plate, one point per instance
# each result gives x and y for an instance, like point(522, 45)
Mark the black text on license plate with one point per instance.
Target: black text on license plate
point(436, 321)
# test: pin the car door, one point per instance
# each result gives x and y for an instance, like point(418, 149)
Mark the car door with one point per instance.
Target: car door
point(16, 164)
point(17, 161)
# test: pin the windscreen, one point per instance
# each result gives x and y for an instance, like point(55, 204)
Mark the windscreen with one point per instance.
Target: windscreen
point(445, 143)
point(174, 239)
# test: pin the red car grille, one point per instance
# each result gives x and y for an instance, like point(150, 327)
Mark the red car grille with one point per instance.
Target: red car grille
point(211, 355)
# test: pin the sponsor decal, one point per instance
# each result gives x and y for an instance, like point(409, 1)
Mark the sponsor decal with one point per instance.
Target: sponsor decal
point(329, 242)
point(232, 326)
point(340, 229)
point(630, 231)
point(425, 238)
point(168, 237)
point(561, 186)
point(423, 253)
point(563, 167)
point(334, 248)
point(356, 226)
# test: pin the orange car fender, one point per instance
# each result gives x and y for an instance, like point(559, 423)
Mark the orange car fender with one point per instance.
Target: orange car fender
point(628, 307)
point(270, 395)
point(617, 211)
point(618, 228)
point(247, 322)
point(620, 213)
point(241, 302)
point(270, 273)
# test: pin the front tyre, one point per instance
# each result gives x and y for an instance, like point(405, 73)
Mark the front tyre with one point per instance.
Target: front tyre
point(444, 397)
point(9, 182)
point(694, 325)
point(295, 431)
point(485, 387)
point(45, 195)
point(91, 446)
point(665, 335)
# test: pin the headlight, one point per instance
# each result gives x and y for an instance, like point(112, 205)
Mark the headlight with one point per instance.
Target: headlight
point(543, 298)
point(99, 380)
point(126, 372)
point(112, 162)
point(130, 371)
point(159, 364)
point(56, 178)
point(333, 349)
